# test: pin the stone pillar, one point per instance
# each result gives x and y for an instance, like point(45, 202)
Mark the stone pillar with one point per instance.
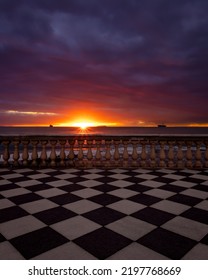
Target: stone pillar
point(16, 153)
point(206, 155)
point(53, 153)
point(189, 162)
point(153, 163)
point(198, 163)
point(143, 154)
point(34, 152)
point(116, 153)
point(71, 153)
point(6, 154)
point(98, 155)
point(43, 155)
point(134, 155)
point(107, 153)
point(62, 153)
point(171, 155)
point(125, 156)
point(180, 163)
point(80, 155)
point(25, 154)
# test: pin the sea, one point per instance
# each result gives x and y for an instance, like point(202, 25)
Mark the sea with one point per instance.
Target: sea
point(102, 130)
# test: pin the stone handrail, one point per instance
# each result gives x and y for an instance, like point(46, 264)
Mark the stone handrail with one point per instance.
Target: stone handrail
point(88, 151)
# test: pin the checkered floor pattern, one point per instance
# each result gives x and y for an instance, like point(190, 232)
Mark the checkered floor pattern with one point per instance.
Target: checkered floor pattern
point(103, 214)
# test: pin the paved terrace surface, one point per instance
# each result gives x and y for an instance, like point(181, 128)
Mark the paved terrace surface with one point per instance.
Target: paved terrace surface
point(103, 214)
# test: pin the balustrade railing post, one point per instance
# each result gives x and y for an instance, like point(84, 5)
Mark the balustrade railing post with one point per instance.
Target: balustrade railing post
point(6, 154)
point(107, 153)
point(206, 155)
point(25, 154)
point(89, 154)
point(180, 163)
point(125, 156)
point(34, 152)
point(171, 154)
point(116, 155)
point(53, 153)
point(98, 155)
point(153, 163)
point(198, 163)
point(189, 155)
point(80, 155)
point(134, 154)
point(162, 154)
point(62, 152)
point(43, 155)
point(71, 153)
point(143, 154)
point(16, 154)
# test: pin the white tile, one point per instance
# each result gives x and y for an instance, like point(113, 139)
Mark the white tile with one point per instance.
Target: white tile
point(119, 176)
point(195, 193)
point(187, 227)
point(75, 227)
point(201, 177)
point(205, 183)
point(92, 176)
point(4, 203)
point(4, 182)
point(121, 183)
point(2, 170)
point(70, 170)
point(67, 251)
point(50, 192)
point(59, 183)
point(118, 170)
point(143, 171)
point(65, 176)
point(146, 176)
point(20, 226)
point(38, 176)
point(8, 252)
point(191, 171)
point(174, 177)
point(90, 183)
point(126, 206)
point(131, 228)
point(160, 193)
point(152, 184)
point(170, 207)
point(166, 171)
point(85, 193)
point(136, 251)
point(14, 192)
point(199, 252)
point(123, 193)
point(93, 170)
point(28, 183)
point(202, 205)
point(46, 170)
point(183, 184)
point(38, 206)
point(12, 176)
point(23, 170)
point(82, 206)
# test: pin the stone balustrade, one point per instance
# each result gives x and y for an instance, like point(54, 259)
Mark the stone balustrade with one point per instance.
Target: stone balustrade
point(104, 151)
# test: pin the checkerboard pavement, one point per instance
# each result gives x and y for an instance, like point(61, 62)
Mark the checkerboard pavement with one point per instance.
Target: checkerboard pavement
point(103, 214)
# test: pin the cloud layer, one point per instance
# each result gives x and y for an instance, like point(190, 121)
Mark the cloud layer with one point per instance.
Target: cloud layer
point(122, 61)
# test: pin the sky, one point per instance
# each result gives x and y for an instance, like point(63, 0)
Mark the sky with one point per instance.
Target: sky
point(103, 62)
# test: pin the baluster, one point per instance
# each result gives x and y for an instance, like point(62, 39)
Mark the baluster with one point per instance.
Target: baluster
point(180, 155)
point(189, 162)
point(206, 155)
point(98, 155)
point(162, 154)
point(34, 152)
point(16, 153)
point(153, 163)
point(134, 155)
point(62, 153)
point(171, 155)
point(6, 154)
point(107, 153)
point(25, 154)
point(71, 153)
point(116, 155)
point(80, 155)
point(43, 155)
point(89, 154)
point(53, 153)
point(143, 154)
point(125, 155)
point(198, 163)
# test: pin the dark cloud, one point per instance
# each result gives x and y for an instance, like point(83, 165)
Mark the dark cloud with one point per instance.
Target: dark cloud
point(150, 56)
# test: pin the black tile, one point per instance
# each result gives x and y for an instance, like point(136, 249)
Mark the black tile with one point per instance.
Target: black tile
point(105, 188)
point(39, 187)
point(64, 198)
point(172, 188)
point(76, 180)
point(164, 180)
point(196, 214)
point(153, 216)
point(102, 243)
point(185, 199)
point(167, 243)
point(138, 188)
point(48, 179)
point(103, 216)
point(205, 240)
point(19, 179)
point(38, 242)
point(11, 213)
point(201, 188)
point(54, 215)
point(9, 187)
point(72, 188)
point(24, 198)
point(144, 199)
point(106, 180)
point(135, 180)
point(192, 180)
point(104, 199)
point(2, 238)
point(1, 196)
